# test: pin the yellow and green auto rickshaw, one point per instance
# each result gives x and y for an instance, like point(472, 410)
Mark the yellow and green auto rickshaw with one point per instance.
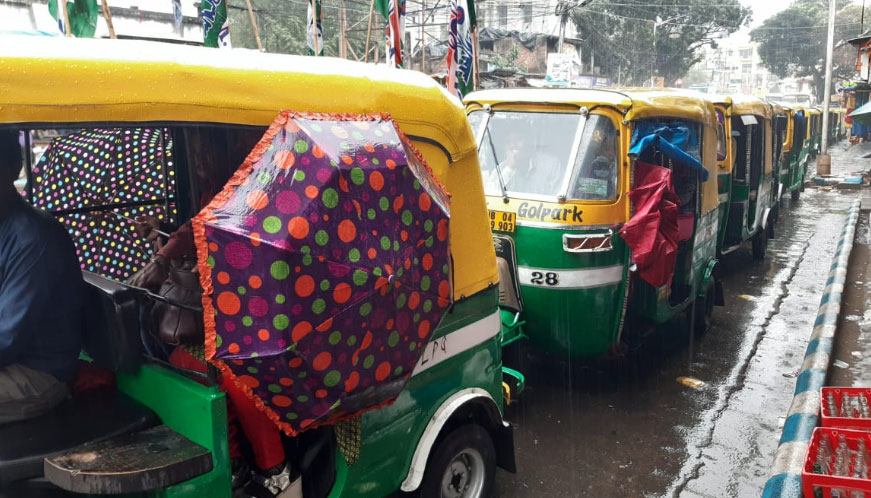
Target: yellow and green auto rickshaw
point(792, 168)
point(835, 123)
point(568, 175)
point(117, 129)
point(748, 196)
point(816, 130)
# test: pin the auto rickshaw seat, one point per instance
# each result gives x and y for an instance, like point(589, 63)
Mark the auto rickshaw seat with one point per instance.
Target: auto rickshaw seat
point(112, 326)
point(86, 418)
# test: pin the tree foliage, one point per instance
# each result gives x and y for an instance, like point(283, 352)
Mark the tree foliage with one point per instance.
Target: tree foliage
point(793, 42)
point(282, 25)
point(621, 35)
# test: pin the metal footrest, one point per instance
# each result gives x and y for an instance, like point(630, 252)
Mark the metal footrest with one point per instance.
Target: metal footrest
point(136, 462)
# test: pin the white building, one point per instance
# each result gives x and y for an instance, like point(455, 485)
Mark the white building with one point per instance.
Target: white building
point(735, 67)
point(149, 19)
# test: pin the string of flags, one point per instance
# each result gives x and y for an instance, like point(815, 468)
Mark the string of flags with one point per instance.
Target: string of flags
point(83, 16)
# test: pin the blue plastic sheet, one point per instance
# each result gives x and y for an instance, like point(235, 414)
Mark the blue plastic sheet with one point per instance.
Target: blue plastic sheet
point(673, 140)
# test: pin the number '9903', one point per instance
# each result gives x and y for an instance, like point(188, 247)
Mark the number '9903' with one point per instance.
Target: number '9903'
point(544, 278)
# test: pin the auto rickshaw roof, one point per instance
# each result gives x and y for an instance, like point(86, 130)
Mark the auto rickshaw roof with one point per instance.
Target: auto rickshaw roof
point(56, 81)
point(53, 79)
point(740, 104)
point(636, 103)
point(751, 105)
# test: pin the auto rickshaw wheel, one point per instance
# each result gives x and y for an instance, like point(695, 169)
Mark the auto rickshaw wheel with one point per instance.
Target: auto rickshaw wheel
point(795, 194)
point(463, 465)
point(760, 245)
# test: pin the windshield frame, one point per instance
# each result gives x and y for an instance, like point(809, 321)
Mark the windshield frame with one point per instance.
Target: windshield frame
point(562, 192)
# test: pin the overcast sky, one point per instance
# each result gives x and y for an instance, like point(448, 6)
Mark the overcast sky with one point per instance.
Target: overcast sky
point(763, 9)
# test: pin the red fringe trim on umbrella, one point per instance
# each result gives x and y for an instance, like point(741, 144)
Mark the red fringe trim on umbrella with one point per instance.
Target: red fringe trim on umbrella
point(207, 214)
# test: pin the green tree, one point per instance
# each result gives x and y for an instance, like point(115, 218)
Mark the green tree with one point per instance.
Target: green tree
point(792, 43)
point(621, 35)
point(282, 25)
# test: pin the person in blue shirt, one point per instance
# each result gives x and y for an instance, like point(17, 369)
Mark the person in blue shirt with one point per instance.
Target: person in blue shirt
point(41, 299)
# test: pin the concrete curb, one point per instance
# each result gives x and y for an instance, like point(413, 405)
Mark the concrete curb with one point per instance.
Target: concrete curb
point(803, 415)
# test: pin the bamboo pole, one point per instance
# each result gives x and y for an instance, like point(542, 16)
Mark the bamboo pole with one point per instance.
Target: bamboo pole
point(108, 15)
point(68, 32)
point(343, 42)
point(423, 38)
point(253, 25)
point(369, 31)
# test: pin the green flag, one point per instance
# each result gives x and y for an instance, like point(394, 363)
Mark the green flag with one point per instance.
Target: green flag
point(216, 27)
point(381, 6)
point(83, 17)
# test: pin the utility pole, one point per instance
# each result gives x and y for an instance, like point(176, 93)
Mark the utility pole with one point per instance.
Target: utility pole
point(824, 162)
point(562, 10)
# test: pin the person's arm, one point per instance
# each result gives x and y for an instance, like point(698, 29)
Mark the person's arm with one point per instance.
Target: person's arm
point(180, 244)
point(24, 297)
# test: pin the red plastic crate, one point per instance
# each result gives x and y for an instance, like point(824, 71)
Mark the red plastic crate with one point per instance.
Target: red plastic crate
point(843, 422)
point(822, 485)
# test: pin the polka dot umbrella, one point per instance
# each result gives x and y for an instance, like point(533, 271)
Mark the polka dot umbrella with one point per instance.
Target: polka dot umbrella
point(325, 266)
point(95, 181)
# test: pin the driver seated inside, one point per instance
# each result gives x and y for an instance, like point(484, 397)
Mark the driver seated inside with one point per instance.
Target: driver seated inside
point(41, 301)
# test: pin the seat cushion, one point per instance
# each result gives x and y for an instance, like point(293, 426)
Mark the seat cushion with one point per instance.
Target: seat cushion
point(89, 417)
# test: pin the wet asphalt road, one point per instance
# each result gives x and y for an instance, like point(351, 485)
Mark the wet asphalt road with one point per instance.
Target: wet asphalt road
point(628, 428)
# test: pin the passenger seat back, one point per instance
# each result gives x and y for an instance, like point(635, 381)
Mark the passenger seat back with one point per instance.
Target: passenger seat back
point(112, 325)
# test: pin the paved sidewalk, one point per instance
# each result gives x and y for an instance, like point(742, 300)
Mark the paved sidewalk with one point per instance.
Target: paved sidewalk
point(735, 458)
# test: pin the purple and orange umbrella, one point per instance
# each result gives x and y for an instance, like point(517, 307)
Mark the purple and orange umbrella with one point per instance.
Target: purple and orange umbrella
point(325, 265)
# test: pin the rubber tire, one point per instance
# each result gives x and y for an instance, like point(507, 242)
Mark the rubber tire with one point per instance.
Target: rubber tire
point(795, 194)
point(465, 436)
point(760, 245)
point(704, 309)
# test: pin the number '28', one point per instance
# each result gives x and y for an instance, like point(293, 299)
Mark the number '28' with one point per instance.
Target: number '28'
point(545, 278)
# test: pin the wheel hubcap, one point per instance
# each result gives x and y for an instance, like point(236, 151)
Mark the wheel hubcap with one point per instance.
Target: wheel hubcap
point(464, 477)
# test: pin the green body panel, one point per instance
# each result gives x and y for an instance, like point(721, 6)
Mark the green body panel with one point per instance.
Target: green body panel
point(390, 434)
point(653, 304)
point(724, 191)
point(793, 172)
point(558, 320)
point(192, 409)
point(753, 220)
point(740, 193)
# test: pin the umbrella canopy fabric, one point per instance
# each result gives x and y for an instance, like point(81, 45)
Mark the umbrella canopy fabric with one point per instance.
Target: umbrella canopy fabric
point(652, 232)
point(863, 113)
point(325, 267)
point(94, 181)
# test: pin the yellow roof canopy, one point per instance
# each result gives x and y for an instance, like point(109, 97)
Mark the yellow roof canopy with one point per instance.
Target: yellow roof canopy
point(61, 81)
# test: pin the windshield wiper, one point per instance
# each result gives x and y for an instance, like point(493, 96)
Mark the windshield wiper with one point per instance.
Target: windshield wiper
point(498, 168)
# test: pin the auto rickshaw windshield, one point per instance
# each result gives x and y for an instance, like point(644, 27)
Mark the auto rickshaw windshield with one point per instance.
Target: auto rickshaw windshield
point(529, 152)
